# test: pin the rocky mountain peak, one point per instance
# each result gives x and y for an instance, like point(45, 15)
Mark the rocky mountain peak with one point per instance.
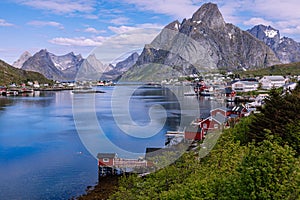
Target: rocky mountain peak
point(43, 51)
point(23, 58)
point(210, 15)
point(262, 31)
point(203, 43)
point(286, 49)
point(175, 25)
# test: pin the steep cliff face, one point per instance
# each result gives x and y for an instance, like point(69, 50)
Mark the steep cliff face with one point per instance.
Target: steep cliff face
point(286, 49)
point(91, 69)
point(23, 58)
point(121, 67)
point(41, 62)
point(200, 44)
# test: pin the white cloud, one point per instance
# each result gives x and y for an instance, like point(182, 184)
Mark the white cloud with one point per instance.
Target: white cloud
point(256, 21)
point(46, 23)
point(61, 6)
point(277, 9)
point(5, 23)
point(111, 47)
point(120, 20)
point(93, 30)
point(133, 39)
point(121, 29)
point(124, 29)
point(79, 41)
point(176, 8)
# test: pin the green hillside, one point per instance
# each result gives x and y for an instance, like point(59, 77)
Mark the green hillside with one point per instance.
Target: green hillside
point(283, 69)
point(258, 158)
point(9, 74)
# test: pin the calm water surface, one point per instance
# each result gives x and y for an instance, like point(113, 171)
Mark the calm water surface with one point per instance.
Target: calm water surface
point(41, 154)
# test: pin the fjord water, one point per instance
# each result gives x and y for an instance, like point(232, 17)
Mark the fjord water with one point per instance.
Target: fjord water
point(41, 154)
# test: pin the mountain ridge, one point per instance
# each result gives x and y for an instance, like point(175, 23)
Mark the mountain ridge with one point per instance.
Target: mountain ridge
point(286, 49)
point(202, 43)
point(70, 67)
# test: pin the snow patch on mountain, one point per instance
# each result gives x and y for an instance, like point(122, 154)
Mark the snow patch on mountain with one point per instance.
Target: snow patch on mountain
point(270, 33)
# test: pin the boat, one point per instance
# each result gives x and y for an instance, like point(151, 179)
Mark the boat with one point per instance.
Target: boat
point(11, 93)
point(86, 91)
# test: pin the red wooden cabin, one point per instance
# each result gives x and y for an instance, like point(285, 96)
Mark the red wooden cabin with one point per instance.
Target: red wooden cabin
point(106, 159)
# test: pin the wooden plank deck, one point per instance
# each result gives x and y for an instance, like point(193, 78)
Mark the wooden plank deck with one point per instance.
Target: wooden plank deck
point(129, 163)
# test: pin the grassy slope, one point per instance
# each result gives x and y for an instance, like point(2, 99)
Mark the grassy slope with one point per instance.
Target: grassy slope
point(283, 69)
point(9, 74)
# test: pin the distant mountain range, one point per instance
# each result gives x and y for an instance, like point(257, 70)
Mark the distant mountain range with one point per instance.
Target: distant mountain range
point(70, 66)
point(203, 43)
point(286, 49)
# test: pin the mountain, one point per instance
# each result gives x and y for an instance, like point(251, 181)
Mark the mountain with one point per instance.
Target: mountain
point(54, 67)
point(10, 74)
point(124, 65)
point(286, 49)
point(67, 61)
point(42, 62)
point(91, 69)
point(202, 43)
point(121, 67)
point(74, 67)
point(23, 58)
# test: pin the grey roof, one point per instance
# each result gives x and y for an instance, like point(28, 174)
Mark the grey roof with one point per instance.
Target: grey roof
point(204, 115)
point(275, 78)
point(106, 155)
point(248, 82)
point(220, 118)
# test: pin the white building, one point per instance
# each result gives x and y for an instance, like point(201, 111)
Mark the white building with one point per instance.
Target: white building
point(267, 82)
point(245, 86)
point(289, 86)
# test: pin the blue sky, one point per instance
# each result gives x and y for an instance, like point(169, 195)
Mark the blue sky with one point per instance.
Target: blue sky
point(62, 26)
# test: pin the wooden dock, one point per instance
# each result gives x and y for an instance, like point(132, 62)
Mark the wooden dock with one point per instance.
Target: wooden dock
point(110, 164)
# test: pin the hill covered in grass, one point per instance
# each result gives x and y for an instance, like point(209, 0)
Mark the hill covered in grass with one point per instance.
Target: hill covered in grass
point(9, 74)
point(282, 69)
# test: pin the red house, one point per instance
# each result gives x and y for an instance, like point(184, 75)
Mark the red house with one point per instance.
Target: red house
point(223, 111)
point(193, 133)
point(106, 159)
point(213, 122)
point(3, 90)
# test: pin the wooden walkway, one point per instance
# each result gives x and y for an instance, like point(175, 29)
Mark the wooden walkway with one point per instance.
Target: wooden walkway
point(129, 163)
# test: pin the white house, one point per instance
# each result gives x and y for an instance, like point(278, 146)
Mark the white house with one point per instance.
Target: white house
point(245, 86)
point(289, 87)
point(267, 82)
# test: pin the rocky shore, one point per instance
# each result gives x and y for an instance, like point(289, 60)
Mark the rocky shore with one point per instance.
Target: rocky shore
point(106, 187)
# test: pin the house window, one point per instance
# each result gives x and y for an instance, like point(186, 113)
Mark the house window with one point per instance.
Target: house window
point(204, 125)
point(216, 126)
point(105, 160)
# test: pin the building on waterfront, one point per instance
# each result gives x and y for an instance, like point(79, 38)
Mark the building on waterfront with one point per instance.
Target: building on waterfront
point(245, 86)
point(267, 82)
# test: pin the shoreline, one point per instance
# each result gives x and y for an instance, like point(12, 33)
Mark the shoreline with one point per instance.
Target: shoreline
point(105, 187)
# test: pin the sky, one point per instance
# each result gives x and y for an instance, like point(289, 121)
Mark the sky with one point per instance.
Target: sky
point(120, 26)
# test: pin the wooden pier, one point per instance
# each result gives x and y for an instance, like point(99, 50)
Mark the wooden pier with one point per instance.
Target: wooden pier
point(110, 164)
